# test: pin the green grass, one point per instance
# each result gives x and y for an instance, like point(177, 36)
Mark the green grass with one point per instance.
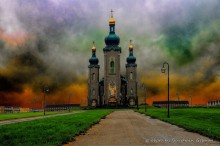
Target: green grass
point(49, 131)
point(8, 116)
point(205, 121)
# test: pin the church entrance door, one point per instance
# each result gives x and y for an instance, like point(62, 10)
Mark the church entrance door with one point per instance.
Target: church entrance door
point(131, 102)
point(94, 102)
point(112, 101)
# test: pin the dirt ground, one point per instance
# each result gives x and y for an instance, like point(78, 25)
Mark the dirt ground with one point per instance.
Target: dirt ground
point(129, 128)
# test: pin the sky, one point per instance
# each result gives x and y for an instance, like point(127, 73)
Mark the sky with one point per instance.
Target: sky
point(48, 42)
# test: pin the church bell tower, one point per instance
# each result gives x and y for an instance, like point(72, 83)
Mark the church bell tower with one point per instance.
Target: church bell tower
point(131, 76)
point(112, 81)
point(93, 82)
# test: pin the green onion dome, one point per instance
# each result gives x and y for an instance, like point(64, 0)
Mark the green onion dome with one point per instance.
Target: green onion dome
point(131, 59)
point(94, 60)
point(112, 39)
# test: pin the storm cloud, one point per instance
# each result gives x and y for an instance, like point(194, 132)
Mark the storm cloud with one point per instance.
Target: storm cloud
point(49, 41)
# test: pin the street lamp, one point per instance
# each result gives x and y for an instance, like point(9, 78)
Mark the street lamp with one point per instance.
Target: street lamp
point(191, 99)
point(136, 97)
point(168, 87)
point(145, 95)
point(45, 90)
point(35, 98)
point(178, 96)
point(70, 94)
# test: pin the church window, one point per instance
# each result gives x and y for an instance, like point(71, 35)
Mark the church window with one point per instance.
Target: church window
point(112, 29)
point(131, 91)
point(131, 75)
point(93, 76)
point(112, 66)
point(93, 91)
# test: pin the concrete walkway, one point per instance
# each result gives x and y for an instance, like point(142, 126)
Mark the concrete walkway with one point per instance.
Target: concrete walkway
point(34, 118)
point(128, 128)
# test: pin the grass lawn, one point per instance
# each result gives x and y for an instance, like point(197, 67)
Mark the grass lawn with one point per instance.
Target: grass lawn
point(205, 121)
point(49, 131)
point(8, 116)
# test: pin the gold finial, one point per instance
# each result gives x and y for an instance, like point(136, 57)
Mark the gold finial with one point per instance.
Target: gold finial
point(111, 13)
point(131, 45)
point(93, 47)
point(111, 20)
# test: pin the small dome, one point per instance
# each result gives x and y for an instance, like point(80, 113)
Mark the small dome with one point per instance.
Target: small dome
point(131, 59)
point(93, 60)
point(112, 39)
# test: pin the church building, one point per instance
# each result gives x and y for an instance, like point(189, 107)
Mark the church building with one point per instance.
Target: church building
point(113, 89)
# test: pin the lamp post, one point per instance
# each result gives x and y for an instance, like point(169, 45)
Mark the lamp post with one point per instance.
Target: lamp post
point(35, 98)
point(168, 86)
point(70, 94)
point(44, 102)
point(178, 96)
point(191, 99)
point(45, 90)
point(145, 95)
point(136, 97)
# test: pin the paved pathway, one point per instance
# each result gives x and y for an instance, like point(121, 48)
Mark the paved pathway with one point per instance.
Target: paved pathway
point(34, 118)
point(128, 128)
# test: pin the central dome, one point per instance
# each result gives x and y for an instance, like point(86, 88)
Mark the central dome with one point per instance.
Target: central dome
point(112, 39)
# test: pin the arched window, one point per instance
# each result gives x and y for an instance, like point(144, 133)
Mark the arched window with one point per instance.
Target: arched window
point(112, 29)
point(112, 67)
point(93, 76)
point(131, 75)
point(131, 91)
point(93, 91)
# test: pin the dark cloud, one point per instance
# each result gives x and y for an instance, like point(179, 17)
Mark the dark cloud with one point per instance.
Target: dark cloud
point(57, 36)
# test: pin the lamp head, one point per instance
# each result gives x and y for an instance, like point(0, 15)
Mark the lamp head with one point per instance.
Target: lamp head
point(163, 70)
point(46, 89)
